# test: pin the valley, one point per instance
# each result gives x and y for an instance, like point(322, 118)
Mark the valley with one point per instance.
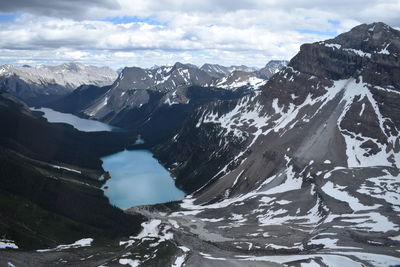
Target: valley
point(294, 164)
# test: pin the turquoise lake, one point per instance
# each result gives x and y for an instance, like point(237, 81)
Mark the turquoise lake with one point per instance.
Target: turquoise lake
point(136, 177)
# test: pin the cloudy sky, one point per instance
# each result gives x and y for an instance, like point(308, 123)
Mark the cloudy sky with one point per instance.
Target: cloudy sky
point(119, 33)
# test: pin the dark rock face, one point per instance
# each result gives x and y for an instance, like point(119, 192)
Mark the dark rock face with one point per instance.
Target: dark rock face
point(369, 50)
point(32, 94)
point(79, 99)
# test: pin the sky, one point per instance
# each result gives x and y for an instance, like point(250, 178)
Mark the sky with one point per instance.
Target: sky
point(118, 33)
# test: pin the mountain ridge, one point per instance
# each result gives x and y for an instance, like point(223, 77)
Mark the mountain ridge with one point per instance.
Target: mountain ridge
point(42, 84)
point(308, 157)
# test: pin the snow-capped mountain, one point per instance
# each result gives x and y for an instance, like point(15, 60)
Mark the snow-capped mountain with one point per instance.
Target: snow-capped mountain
point(215, 70)
point(31, 84)
point(309, 167)
point(219, 71)
point(238, 79)
point(271, 68)
point(134, 87)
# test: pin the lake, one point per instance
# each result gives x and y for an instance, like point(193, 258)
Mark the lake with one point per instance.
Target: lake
point(136, 177)
point(84, 125)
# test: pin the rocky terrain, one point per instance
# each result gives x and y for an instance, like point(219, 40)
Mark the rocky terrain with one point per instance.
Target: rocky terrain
point(308, 168)
point(304, 171)
point(46, 83)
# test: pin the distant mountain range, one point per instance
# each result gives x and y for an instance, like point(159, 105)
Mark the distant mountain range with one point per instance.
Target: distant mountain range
point(140, 97)
point(133, 86)
point(39, 85)
point(44, 84)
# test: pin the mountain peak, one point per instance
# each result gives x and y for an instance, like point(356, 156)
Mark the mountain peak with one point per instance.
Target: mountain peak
point(369, 38)
point(72, 66)
point(186, 65)
point(352, 53)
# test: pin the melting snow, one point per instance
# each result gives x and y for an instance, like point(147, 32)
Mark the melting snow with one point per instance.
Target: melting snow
point(132, 263)
point(5, 243)
point(337, 46)
point(335, 192)
point(86, 242)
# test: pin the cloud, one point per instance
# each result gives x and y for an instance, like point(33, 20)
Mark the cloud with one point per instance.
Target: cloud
point(196, 40)
point(57, 8)
point(158, 32)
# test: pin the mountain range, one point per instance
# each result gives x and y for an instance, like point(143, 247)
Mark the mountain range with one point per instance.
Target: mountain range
point(290, 165)
point(148, 100)
point(45, 83)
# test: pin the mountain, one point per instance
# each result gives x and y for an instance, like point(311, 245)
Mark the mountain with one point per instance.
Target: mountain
point(309, 166)
point(238, 79)
point(215, 70)
point(153, 102)
point(147, 100)
point(218, 71)
point(50, 189)
point(137, 88)
point(271, 68)
point(79, 99)
point(242, 68)
point(38, 85)
point(134, 86)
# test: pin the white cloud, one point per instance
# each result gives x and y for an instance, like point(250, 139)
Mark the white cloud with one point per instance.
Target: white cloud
point(227, 32)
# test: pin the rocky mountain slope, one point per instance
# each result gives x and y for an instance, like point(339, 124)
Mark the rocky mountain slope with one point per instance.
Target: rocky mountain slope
point(38, 85)
point(308, 168)
point(79, 99)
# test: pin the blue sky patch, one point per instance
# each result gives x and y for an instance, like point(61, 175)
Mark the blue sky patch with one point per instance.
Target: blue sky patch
point(334, 22)
point(8, 17)
point(127, 19)
point(324, 33)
